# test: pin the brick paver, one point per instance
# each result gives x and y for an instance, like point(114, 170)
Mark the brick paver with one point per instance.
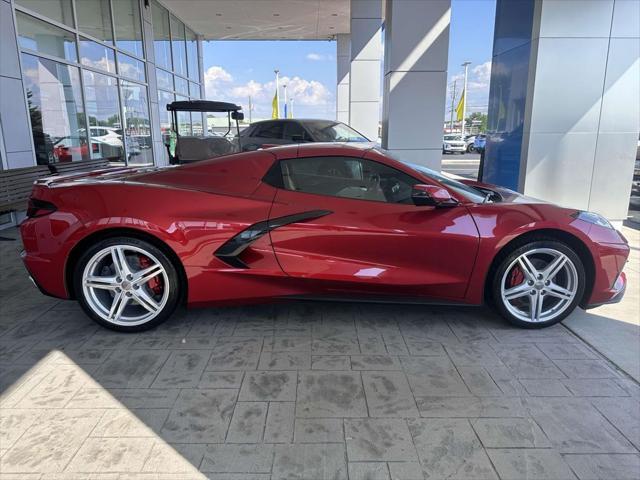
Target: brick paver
point(305, 391)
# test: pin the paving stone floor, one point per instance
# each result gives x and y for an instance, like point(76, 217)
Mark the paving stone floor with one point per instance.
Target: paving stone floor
point(304, 391)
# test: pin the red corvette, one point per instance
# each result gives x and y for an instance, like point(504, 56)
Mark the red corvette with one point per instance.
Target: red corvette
point(311, 221)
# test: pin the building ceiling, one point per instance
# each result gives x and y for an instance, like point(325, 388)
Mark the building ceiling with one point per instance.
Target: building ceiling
point(263, 19)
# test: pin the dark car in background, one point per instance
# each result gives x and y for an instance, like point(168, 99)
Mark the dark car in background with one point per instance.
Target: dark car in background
point(285, 131)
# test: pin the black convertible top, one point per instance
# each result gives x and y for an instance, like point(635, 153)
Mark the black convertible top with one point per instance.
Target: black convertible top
point(202, 106)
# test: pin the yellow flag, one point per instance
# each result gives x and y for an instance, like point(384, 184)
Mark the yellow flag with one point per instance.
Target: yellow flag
point(274, 106)
point(460, 107)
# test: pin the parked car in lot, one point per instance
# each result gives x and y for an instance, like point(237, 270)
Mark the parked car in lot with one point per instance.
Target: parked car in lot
point(453, 144)
point(479, 143)
point(286, 131)
point(322, 221)
point(469, 139)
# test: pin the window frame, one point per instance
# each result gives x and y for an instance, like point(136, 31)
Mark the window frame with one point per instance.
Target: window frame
point(274, 178)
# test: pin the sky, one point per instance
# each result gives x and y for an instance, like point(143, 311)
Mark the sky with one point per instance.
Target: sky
point(235, 70)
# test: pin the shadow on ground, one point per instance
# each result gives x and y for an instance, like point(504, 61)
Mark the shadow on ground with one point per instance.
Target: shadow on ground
point(304, 391)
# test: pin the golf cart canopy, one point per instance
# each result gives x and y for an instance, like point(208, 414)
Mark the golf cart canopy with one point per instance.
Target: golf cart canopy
point(202, 106)
point(191, 148)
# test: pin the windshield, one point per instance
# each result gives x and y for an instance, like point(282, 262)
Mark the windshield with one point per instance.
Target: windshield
point(470, 193)
point(328, 131)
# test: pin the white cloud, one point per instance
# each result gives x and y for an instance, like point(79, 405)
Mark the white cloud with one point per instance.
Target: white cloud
point(318, 57)
point(310, 96)
point(216, 81)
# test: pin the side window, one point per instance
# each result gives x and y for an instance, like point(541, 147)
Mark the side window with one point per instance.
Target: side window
point(347, 177)
point(269, 130)
point(295, 132)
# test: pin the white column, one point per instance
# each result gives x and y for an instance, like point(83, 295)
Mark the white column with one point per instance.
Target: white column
point(343, 59)
point(415, 79)
point(366, 53)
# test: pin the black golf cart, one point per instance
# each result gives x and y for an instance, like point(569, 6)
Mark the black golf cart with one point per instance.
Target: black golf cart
point(191, 148)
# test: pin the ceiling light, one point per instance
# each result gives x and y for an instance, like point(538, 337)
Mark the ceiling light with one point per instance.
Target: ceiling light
point(331, 28)
point(334, 14)
point(218, 14)
point(276, 14)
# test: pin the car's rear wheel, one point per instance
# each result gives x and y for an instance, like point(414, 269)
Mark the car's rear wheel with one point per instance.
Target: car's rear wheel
point(126, 284)
point(538, 284)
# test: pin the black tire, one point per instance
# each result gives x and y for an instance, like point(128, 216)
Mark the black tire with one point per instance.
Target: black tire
point(506, 259)
point(173, 297)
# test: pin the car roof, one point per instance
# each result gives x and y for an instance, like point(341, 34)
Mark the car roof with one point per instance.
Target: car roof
point(300, 120)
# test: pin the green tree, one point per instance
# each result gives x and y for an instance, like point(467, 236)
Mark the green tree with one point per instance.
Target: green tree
point(477, 116)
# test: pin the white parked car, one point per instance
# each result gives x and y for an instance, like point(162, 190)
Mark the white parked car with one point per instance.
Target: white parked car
point(453, 144)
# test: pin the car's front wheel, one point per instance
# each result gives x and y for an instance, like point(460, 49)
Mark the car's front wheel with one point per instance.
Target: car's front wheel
point(538, 284)
point(126, 284)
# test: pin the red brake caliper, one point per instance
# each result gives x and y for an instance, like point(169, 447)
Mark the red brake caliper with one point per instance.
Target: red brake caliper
point(155, 284)
point(516, 277)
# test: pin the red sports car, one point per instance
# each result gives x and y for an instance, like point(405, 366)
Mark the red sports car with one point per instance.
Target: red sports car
point(314, 221)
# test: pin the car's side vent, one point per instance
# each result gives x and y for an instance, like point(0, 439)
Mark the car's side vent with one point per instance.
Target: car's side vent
point(229, 252)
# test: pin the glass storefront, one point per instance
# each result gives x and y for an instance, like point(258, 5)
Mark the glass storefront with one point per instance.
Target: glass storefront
point(56, 109)
point(85, 76)
point(177, 73)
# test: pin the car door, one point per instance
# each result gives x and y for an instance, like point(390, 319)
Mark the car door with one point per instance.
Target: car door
point(360, 232)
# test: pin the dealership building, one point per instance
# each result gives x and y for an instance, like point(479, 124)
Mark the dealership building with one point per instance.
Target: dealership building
point(84, 80)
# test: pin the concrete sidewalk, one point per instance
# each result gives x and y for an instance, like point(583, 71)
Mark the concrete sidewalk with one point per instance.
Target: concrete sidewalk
point(315, 391)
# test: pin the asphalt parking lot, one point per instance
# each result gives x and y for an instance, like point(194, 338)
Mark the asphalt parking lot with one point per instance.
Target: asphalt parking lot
point(305, 391)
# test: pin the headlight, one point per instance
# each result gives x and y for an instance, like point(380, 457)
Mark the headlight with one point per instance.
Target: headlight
point(594, 218)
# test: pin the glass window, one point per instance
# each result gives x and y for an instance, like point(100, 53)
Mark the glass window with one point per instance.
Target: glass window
point(182, 86)
point(94, 18)
point(43, 37)
point(161, 37)
point(165, 79)
point(295, 132)
point(269, 130)
point(96, 55)
point(126, 17)
point(328, 131)
point(137, 126)
point(103, 111)
point(184, 119)
point(165, 98)
point(58, 10)
point(192, 55)
point(55, 106)
point(194, 90)
point(178, 47)
point(347, 177)
point(130, 67)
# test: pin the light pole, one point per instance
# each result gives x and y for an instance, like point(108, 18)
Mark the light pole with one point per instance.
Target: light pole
point(466, 94)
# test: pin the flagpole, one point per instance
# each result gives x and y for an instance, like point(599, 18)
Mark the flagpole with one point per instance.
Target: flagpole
point(277, 72)
point(453, 102)
point(466, 95)
point(286, 100)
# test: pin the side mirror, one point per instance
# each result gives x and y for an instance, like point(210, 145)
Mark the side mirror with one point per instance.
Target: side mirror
point(432, 195)
point(237, 116)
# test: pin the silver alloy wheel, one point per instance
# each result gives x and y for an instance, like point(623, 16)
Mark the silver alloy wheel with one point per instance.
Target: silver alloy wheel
point(118, 291)
point(549, 285)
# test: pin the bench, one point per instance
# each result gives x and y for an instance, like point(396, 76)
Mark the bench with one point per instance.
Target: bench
point(16, 184)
